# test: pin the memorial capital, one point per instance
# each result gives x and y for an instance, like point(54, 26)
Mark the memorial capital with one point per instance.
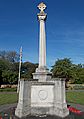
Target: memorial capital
point(42, 15)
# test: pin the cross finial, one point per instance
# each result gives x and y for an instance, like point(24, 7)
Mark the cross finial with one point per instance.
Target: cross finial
point(42, 6)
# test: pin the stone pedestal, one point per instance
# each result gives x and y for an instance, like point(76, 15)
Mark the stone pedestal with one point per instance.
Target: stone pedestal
point(39, 98)
point(42, 74)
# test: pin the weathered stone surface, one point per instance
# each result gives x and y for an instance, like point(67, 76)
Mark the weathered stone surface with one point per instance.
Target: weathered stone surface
point(42, 76)
point(24, 102)
point(37, 98)
point(40, 95)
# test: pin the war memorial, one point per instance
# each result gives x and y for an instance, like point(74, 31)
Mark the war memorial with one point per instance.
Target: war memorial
point(42, 95)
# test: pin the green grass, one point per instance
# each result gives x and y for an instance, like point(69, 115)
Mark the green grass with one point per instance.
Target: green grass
point(8, 98)
point(75, 97)
point(72, 97)
point(8, 89)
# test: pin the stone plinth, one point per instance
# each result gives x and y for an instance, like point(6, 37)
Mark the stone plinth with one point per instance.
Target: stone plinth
point(37, 98)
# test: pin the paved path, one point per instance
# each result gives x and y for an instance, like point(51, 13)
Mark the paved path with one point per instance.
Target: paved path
point(10, 109)
point(7, 106)
point(77, 106)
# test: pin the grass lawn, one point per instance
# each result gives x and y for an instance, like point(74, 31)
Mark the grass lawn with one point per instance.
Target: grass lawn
point(8, 89)
point(8, 98)
point(73, 97)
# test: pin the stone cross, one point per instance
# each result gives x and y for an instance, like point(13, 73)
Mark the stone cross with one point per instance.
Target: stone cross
point(42, 7)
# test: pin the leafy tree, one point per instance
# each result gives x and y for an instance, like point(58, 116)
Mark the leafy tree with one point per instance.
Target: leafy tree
point(7, 74)
point(62, 68)
point(1, 81)
point(4, 64)
point(15, 67)
point(78, 74)
point(9, 77)
point(27, 69)
point(9, 71)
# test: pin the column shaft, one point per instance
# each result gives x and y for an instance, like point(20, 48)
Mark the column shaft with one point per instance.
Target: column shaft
point(42, 45)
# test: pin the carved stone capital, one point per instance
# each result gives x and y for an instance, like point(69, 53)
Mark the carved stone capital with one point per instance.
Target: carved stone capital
point(42, 16)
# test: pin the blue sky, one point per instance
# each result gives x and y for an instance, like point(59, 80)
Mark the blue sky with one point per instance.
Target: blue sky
point(64, 29)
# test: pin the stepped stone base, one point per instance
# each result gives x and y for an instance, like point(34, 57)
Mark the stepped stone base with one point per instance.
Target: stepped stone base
point(42, 74)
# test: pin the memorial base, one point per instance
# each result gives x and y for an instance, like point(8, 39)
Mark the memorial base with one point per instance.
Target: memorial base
point(42, 98)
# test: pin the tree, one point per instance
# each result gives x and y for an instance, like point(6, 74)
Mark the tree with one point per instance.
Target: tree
point(9, 68)
point(1, 81)
point(63, 69)
point(4, 64)
point(9, 77)
point(11, 56)
point(8, 74)
point(15, 67)
point(78, 74)
point(27, 69)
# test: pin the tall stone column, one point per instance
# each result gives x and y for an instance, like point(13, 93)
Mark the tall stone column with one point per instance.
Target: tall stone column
point(42, 41)
point(42, 73)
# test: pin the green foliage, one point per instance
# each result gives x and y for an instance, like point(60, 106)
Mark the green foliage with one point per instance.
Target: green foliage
point(1, 77)
point(9, 77)
point(4, 64)
point(9, 71)
point(64, 68)
point(9, 68)
point(27, 69)
point(78, 74)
